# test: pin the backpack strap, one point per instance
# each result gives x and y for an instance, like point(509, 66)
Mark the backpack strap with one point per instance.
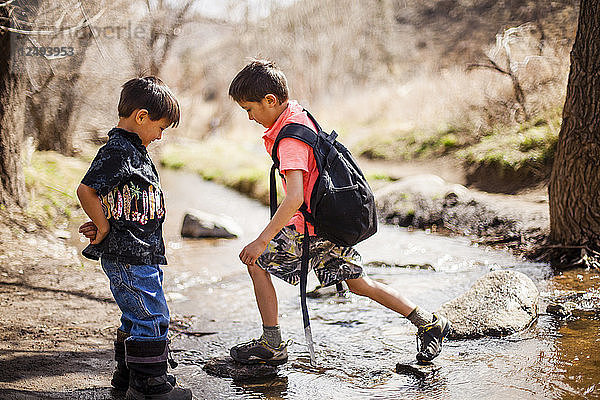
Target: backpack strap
point(308, 136)
point(295, 131)
point(303, 280)
point(299, 132)
point(314, 121)
point(331, 137)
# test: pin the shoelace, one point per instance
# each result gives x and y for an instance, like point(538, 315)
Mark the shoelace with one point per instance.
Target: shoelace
point(249, 343)
point(262, 341)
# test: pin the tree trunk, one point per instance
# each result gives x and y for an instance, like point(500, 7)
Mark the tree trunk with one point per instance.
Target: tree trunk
point(574, 188)
point(53, 107)
point(12, 111)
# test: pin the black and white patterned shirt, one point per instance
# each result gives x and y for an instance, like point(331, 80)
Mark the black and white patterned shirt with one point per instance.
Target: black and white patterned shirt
point(128, 186)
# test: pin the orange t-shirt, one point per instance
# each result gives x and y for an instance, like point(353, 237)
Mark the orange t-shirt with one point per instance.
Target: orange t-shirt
point(295, 154)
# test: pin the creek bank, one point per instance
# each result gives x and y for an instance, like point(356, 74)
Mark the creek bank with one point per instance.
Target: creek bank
point(429, 202)
point(499, 303)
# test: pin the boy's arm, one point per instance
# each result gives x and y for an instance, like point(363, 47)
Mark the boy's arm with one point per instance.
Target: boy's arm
point(292, 202)
point(90, 202)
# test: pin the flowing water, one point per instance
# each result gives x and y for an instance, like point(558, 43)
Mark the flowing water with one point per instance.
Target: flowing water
point(358, 342)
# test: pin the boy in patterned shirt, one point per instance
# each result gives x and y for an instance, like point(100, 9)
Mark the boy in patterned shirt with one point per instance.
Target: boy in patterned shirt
point(121, 194)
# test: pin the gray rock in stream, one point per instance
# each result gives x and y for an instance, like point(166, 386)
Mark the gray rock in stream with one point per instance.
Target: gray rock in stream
point(423, 201)
point(199, 224)
point(499, 303)
point(226, 367)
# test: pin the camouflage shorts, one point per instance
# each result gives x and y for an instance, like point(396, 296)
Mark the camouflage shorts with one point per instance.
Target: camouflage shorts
point(331, 263)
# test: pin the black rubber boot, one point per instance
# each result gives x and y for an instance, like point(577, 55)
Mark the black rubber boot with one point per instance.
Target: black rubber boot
point(147, 362)
point(120, 379)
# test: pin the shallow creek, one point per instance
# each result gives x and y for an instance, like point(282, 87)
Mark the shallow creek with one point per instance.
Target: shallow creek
point(358, 342)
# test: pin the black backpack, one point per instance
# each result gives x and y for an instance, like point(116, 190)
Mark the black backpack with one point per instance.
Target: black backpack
point(341, 203)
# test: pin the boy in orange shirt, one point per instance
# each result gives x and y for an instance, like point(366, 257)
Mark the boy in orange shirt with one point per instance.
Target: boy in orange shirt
point(261, 90)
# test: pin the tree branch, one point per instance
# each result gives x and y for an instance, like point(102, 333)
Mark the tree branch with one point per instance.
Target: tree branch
point(82, 25)
point(100, 48)
point(489, 66)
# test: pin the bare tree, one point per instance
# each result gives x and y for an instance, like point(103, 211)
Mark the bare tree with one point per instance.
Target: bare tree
point(501, 59)
point(575, 182)
point(165, 19)
point(18, 31)
point(12, 106)
point(53, 100)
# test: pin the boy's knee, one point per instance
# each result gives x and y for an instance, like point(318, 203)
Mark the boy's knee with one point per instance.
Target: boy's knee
point(255, 270)
point(358, 286)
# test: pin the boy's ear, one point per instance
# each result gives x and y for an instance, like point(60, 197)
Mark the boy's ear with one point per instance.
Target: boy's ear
point(271, 99)
point(140, 115)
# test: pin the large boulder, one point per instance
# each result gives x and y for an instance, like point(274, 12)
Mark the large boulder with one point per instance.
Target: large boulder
point(199, 224)
point(499, 303)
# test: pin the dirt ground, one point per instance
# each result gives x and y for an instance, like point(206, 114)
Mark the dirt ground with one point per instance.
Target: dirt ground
point(58, 318)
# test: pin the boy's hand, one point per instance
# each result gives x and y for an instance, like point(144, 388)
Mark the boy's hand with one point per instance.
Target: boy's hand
point(96, 229)
point(88, 230)
point(91, 231)
point(251, 252)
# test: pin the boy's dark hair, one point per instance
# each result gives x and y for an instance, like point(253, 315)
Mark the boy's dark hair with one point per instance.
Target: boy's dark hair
point(256, 80)
point(149, 93)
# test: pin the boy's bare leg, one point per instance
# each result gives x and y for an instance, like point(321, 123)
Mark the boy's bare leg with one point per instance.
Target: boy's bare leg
point(430, 339)
point(383, 294)
point(269, 348)
point(266, 298)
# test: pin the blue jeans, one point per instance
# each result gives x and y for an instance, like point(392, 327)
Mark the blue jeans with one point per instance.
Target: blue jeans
point(138, 291)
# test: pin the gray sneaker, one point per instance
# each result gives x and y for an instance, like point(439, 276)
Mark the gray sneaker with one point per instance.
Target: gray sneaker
point(430, 338)
point(259, 351)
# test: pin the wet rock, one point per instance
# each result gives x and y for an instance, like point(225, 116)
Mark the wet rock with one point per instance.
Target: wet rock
point(416, 369)
point(199, 224)
point(571, 301)
point(328, 291)
point(422, 201)
point(563, 310)
point(499, 303)
point(407, 266)
point(226, 367)
point(417, 200)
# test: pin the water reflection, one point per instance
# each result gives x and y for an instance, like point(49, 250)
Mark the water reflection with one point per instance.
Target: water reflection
point(273, 389)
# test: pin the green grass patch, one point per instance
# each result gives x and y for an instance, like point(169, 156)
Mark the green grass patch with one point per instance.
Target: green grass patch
point(413, 144)
point(51, 180)
point(529, 144)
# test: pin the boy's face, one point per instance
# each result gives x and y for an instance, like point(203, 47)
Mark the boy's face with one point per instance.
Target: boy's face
point(149, 130)
point(264, 112)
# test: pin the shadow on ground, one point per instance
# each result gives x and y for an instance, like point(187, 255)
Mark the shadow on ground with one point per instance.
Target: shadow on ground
point(85, 394)
point(78, 293)
point(27, 364)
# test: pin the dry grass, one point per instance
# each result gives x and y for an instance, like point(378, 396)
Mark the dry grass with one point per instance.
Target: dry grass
point(51, 180)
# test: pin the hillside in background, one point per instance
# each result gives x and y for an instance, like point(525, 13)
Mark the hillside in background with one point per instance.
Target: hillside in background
point(399, 80)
